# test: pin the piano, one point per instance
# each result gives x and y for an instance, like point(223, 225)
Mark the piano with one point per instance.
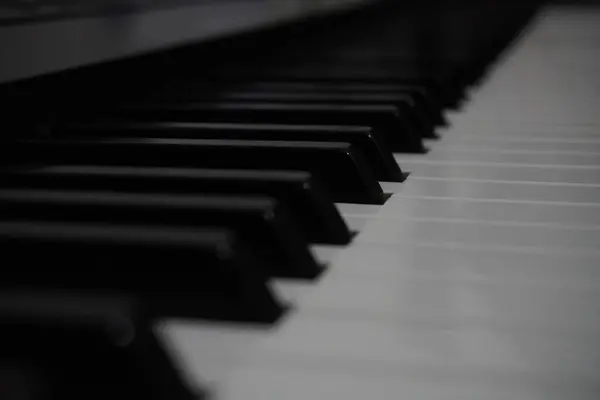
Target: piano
point(299, 200)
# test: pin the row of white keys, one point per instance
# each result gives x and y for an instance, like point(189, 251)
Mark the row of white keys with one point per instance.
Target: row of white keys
point(466, 284)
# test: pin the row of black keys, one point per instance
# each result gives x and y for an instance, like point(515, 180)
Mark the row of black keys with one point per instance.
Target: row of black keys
point(273, 185)
point(240, 181)
point(117, 222)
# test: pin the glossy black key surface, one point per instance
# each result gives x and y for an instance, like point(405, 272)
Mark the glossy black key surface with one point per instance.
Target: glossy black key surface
point(200, 273)
point(372, 146)
point(442, 85)
point(387, 121)
point(318, 96)
point(302, 193)
point(260, 221)
point(404, 73)
point(340, 166)
point(68, 345)
point(425, 98)
point(407, 104)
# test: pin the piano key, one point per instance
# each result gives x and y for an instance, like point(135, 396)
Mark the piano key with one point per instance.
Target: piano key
point(348, 209)
point(445, 89)
point(533, 145)
point(421, 95)
point(562, 193)
point(302, 194)
point(464, 356)
point(339, 165)
point(63, 344)
point(460, 262)
point(435, 302)
point(406, 71)
point(450, 155)
point(209, 274)
point(385, 120)
point(260, 221)
point(484, 234)
point(506, 172)
point(521, 130)
point(391, 187)
point(223, 347)
point(393, 346)
point(318, 96)
point(372, 146)
point(356, 222)
point(299, 380)
point(497, 211)
point(406, 103)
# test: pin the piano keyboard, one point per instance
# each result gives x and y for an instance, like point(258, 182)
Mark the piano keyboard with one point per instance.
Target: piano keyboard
point(477, 279)
point(473, 277)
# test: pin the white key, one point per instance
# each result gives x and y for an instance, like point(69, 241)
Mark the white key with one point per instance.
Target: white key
point(458, 262)
point(531, 146)
point(497, 211)
point(506, 172)
point(492, 235)
point(564, 193)
point(445, 156)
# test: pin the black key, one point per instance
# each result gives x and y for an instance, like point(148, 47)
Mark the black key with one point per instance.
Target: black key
point(340, 166)
point(260, 221)
point(303, 194)
point(404, 73)
point(372, 146)
point(200, 273)
point(407, 104)
point(441, 85)
point(66, 345)
point(423, 97)
point(385, 120)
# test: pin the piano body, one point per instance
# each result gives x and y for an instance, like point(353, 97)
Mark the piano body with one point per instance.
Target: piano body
point(299, 200)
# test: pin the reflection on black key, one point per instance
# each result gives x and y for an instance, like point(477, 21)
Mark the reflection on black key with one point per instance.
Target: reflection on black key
point(70, 346)
point(261, 221)
point(373, 147)
point(341, 167)
point(210, 274)
point(385, 120)
point(303, 194)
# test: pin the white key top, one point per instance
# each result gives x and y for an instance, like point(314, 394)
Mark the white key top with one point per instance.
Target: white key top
point(445, 156)
point(498, 211)
point(481, 234)
point(573, 310)
point(268, 380)
point(531, 146)
point(460, 262)
point(350, 209)
point(506, 172)
point(510, 130)
point(563, 193)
